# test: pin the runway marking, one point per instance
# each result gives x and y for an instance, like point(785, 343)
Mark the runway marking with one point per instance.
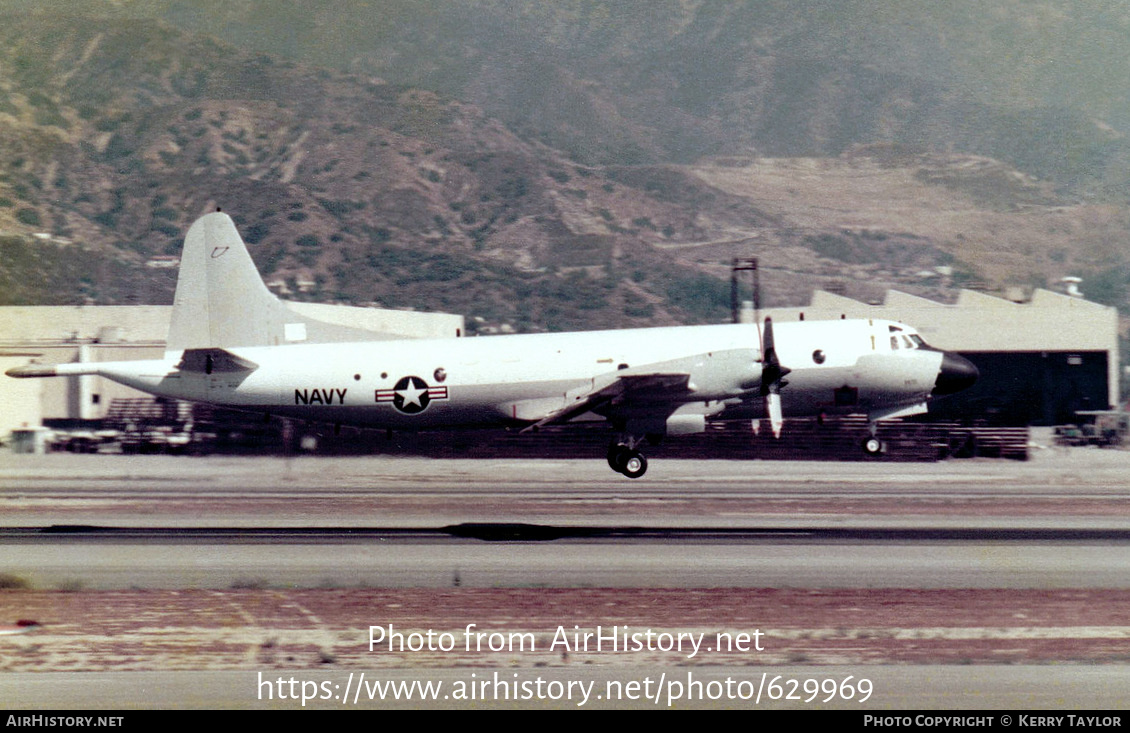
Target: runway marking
point(251, 654)
point(327, 644)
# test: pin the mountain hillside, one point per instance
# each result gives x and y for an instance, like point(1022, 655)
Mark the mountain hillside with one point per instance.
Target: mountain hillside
point(117, 134)
point(564, 165)
point(1034, 84)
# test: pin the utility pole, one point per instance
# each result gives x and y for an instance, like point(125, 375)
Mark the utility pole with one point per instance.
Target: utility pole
point(739, 265)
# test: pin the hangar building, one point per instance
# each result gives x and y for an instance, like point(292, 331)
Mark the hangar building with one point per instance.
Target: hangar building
point(1040, 360)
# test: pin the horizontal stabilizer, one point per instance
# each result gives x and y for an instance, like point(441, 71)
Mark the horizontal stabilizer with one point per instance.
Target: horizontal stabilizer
point(75, 369)
point(211, 361)
point(32, 370)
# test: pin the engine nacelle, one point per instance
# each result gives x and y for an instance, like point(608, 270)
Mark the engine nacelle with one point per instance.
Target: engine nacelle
point(686, 424)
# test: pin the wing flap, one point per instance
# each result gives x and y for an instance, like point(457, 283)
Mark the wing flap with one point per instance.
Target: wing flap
point(625, 387)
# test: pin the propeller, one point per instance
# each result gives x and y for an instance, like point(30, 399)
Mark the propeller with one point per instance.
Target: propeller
point(772, 378)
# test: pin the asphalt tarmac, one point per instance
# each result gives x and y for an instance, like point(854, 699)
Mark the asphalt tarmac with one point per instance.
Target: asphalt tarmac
point(1060, 521)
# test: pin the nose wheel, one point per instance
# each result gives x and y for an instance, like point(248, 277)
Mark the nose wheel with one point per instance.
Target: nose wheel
point(872, 446)
point(627, 460)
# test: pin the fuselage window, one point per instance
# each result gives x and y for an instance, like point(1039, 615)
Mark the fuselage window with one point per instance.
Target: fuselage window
point(818, 356)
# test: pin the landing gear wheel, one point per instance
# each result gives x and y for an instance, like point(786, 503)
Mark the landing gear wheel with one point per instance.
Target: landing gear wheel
point(618, 456)
point(872, 446)
point(635, 465)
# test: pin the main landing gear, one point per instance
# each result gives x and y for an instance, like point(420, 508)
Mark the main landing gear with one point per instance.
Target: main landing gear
point(626, 459)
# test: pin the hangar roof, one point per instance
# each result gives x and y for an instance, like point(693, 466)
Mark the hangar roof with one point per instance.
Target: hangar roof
point(149, 324)
point(980, 322)
point(977, 322)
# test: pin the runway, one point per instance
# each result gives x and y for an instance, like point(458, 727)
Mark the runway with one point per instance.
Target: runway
point(1061, 520)
point(1061, 490)
point(107, 559)
point(980, 561)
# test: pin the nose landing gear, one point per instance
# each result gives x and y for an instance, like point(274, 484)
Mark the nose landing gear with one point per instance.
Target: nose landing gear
point(872, 446)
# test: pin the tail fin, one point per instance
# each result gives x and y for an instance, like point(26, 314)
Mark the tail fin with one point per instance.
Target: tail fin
point(221, 301)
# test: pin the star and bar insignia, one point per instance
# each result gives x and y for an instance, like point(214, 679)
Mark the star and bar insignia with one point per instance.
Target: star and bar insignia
point(411, 395)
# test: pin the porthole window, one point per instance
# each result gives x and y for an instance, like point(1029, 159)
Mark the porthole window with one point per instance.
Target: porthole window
point(818, 356)
point(440, 374)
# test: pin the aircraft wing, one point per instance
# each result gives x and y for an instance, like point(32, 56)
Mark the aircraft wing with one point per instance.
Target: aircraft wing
point(624, 390)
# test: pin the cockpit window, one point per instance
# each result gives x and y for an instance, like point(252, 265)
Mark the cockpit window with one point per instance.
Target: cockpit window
point(917, 340)
point(907, 341)
point(894, 343)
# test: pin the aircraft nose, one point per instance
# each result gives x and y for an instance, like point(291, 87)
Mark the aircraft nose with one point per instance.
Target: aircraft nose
point(956, 373)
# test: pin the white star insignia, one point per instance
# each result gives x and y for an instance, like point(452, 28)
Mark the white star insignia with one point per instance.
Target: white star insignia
point(411, 395)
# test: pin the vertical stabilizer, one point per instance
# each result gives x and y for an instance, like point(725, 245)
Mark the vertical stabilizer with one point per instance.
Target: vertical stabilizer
point(220, 301)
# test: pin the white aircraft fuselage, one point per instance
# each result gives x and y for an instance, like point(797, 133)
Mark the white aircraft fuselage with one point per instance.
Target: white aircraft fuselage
point(508, 380)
